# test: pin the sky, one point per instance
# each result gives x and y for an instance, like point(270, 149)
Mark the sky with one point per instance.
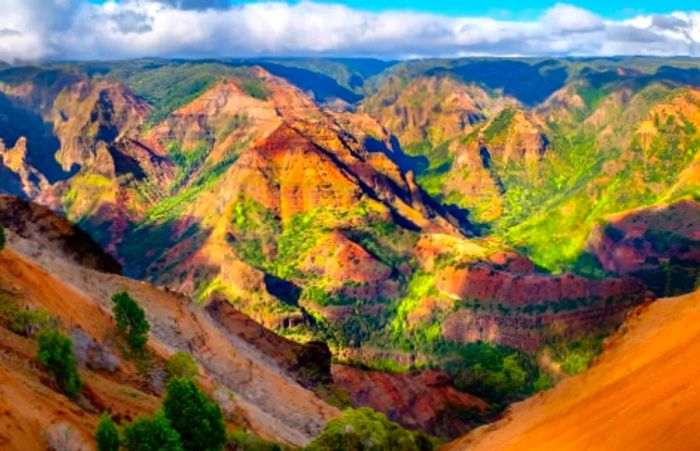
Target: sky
point(391, 29)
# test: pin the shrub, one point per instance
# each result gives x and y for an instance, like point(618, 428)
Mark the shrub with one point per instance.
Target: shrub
point(246, 441)
point(365, 429)
point(197, 419)
point(151, 434)
point(181, 364)
point(30, 322)
point(56, 354)
point(2, 238)
point(107, 434)
point(131, 319)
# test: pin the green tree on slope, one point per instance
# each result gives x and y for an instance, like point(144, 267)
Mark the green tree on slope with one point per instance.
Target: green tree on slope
point(197, 419)
point(55, 352)
point(131, 319)
point(151, 434)
point(107, 434)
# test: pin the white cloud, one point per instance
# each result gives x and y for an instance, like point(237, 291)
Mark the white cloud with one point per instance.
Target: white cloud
point(77, 29)
point(569, 18)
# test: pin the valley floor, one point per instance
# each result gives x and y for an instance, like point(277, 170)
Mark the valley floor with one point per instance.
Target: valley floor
point(642, 394)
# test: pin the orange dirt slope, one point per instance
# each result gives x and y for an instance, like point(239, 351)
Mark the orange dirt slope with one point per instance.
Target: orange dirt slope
point(643, 393)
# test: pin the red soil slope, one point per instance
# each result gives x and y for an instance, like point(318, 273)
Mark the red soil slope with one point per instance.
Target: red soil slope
point(642, 394)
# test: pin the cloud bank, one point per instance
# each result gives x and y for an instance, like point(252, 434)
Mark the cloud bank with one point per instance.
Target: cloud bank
point(78, 29)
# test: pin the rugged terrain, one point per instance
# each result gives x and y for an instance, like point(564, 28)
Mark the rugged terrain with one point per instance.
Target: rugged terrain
point(254, 374)
point(474, 224)
point(641, 394)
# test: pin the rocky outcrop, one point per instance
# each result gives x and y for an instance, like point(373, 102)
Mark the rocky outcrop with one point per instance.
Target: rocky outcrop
point(29, 220)
point(430, 109)
point(522, 310)
point(660, 245)
point(30, 181)
point(423, 400)
point(309, 363)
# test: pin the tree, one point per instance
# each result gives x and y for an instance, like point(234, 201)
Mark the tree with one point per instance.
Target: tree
point(151, 434)
point(2, 237)
point(107, 434)
point(181, 364)
point(56, 354)
point(131, 319)
point(364, 429)
point(197, 419)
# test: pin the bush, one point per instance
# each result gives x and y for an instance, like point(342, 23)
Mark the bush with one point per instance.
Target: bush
point(30, 322)
point(56, 354)
point(107, 434)
point(197, 419)
point(151, 434)
point(246, 441)
point(2, 238)
point(364, 429)
point(131, 319)
point(181, 364)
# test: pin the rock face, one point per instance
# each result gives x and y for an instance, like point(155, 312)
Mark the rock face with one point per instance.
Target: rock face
point(424, 400)
point(430, 108)
point(310, 363)
point(521, 310)
point(14, 164)
point(660, 245)
point(29, 220)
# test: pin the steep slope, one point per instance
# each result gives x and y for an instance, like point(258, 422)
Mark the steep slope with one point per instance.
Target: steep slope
point(641, 394)
point(430, 109)
point(544, 178)
point(255, 384)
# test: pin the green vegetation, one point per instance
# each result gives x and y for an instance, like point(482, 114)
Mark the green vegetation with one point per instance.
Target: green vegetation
point(186, 162)
point(107, 434)
point(151, 434)
point(24, 321)
point(364, 429)
point(576, 356)
point(181, 364)
point(255, 87)
point(2, 237)
point(55, 352)
point(131, 320)
point(187, 421)
point(170, 86)
point(197, 419)
point(240, 440)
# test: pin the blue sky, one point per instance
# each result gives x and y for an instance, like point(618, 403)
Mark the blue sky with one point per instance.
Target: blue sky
point(512, 9)
point(389, 29)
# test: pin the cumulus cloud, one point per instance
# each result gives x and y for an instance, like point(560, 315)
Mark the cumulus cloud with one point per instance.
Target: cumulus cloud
point(78, 29)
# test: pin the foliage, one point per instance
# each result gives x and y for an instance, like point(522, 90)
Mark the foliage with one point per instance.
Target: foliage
point(55, 352)
point(181, 364)
point(543, 382)
point(241, 440)
point(364, 429)
point(255, 87)
point(496, 373)
point(2, 237)
point(107, 434)
point(198, 420)
point(151, 434)
point(131, 319)
point(186, 162)
point(25, 322)
point(576, 356)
